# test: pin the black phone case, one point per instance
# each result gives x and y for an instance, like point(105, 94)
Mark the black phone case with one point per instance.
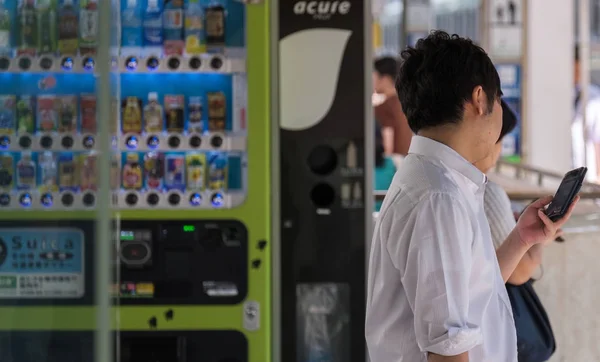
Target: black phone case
point(556, 212)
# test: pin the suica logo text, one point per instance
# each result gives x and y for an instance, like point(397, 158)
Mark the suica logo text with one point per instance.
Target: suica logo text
point(322, 10)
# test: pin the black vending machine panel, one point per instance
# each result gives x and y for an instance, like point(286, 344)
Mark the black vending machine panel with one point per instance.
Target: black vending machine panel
point(324, 170)
point(182, 262)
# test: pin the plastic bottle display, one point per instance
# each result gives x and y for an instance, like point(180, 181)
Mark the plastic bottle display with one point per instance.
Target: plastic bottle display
point(68, 27)
point(153, 29)
point(215, 26)
point(195, 41)
point(47, 117)
point(132, 115)
point(154, 170)
point(67, 110)
point(195, 111)
point(88, 172)
point(27, 28)
point(173, 28)
point(175, 172)
point(196, 172)
point(88, 27)
point(6, 172)
point(153, 114)
point(7, 114)
point(174, 108)
point(46, 27)
point(26, 174)
point(5, 44)
point(132, 172)
point(48, 172)
point(26, 114)
point(132, 32)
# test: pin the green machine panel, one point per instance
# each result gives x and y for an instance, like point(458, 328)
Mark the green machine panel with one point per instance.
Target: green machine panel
point(188, 145)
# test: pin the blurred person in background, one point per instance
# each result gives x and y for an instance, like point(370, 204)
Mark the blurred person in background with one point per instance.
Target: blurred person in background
point(388, 111)
point(385, 169)
point(592, 144)
point(436, 284)
point(499, 211)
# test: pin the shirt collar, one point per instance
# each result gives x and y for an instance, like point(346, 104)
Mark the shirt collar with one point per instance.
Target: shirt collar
point(433, 149)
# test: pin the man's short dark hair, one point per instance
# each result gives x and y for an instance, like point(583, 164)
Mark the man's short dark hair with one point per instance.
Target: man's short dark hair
point(386, 66)
point(509, 120)
point(438, 76)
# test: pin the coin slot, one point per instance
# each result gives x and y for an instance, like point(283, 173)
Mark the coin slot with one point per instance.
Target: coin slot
point(322, 195)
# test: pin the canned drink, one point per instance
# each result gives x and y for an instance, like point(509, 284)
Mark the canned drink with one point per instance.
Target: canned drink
point(217, 111)
point(67, 172)
point(88, 113)
point(175, 172)
point(67, 114)
point(88, 172)
point(195, 110)
point(174, 109)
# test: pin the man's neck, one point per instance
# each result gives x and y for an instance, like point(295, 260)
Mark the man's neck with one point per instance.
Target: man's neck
point(453, 138)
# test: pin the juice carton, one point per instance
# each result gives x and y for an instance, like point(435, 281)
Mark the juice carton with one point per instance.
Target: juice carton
point(8, 114)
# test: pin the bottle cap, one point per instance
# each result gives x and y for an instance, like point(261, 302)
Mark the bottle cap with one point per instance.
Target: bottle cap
point(153, 96)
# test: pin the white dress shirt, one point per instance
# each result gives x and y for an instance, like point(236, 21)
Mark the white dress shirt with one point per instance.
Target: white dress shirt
point(434, 283)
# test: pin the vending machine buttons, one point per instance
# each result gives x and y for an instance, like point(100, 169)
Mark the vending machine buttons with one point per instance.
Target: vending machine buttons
point(195, 141)
point(131, 199)
point(152, 63)
point(4, 63)
point(174, 141)
point(131, 142)
point(88, 142)
point(24, 63)
point(216, 141)
point(174, 199)
point(173, 63)
point(195, 199)
point(217, 199)
point(153, 142)
point(46, 63)
point(67, 64)
point(47, 200)
point(25, 142)
point(4, 200)
point(46, 142)
point(4, 142)
point(25, 200)
point(89, 64)
point(67, 199)
point(67, 142)
point(131, 63)
point(88, 199)
point(216, 63)
point(195, 63)
point(153, 199)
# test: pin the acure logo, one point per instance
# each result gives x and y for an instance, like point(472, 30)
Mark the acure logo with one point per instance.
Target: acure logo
point(322, 10)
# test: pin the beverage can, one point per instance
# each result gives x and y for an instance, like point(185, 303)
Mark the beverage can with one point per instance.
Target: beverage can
point(26, 175)
point(88, 113)
point(26, 114)
point(196, 171)
point(8, 114)
point(195, 110)
point(6, 171)
point(67, 172)
point(47, 115)
point(48, 172)
point(154, 169)
point(215, 27)
point(67, 114)
point(174, 109)
point(175, 172)
point(217, 171)
point(217, 111)
point(88, 172)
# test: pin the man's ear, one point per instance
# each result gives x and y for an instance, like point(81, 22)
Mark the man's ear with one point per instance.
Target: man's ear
point(478, 99)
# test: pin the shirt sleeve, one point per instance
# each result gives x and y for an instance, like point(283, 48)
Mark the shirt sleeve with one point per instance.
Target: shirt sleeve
point(499, 213)
point(436, 276)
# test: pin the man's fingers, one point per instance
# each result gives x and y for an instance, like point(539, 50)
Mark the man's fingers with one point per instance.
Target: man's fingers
point(539, 203)
point(549, 227)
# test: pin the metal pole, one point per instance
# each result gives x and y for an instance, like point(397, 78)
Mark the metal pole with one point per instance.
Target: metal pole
point(103, 341)
point(584, 64)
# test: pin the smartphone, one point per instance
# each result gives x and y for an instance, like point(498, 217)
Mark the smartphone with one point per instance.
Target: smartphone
point(568, 189)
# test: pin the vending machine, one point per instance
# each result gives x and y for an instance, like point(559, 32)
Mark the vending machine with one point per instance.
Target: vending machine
point(189, 179)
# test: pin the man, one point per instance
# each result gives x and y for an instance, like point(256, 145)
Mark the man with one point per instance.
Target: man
point(388, 111)
point(591, 146)
point(436, 285)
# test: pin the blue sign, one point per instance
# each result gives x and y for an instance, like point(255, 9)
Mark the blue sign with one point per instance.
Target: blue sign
point(510, 81)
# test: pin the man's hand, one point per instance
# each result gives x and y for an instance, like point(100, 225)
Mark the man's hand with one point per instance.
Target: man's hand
point(534, 227)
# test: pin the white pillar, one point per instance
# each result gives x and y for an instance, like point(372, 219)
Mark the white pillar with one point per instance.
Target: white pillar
point(549, 88)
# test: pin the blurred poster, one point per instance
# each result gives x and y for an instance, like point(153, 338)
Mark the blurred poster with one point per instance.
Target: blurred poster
point(510, 80)
point(505, 29)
